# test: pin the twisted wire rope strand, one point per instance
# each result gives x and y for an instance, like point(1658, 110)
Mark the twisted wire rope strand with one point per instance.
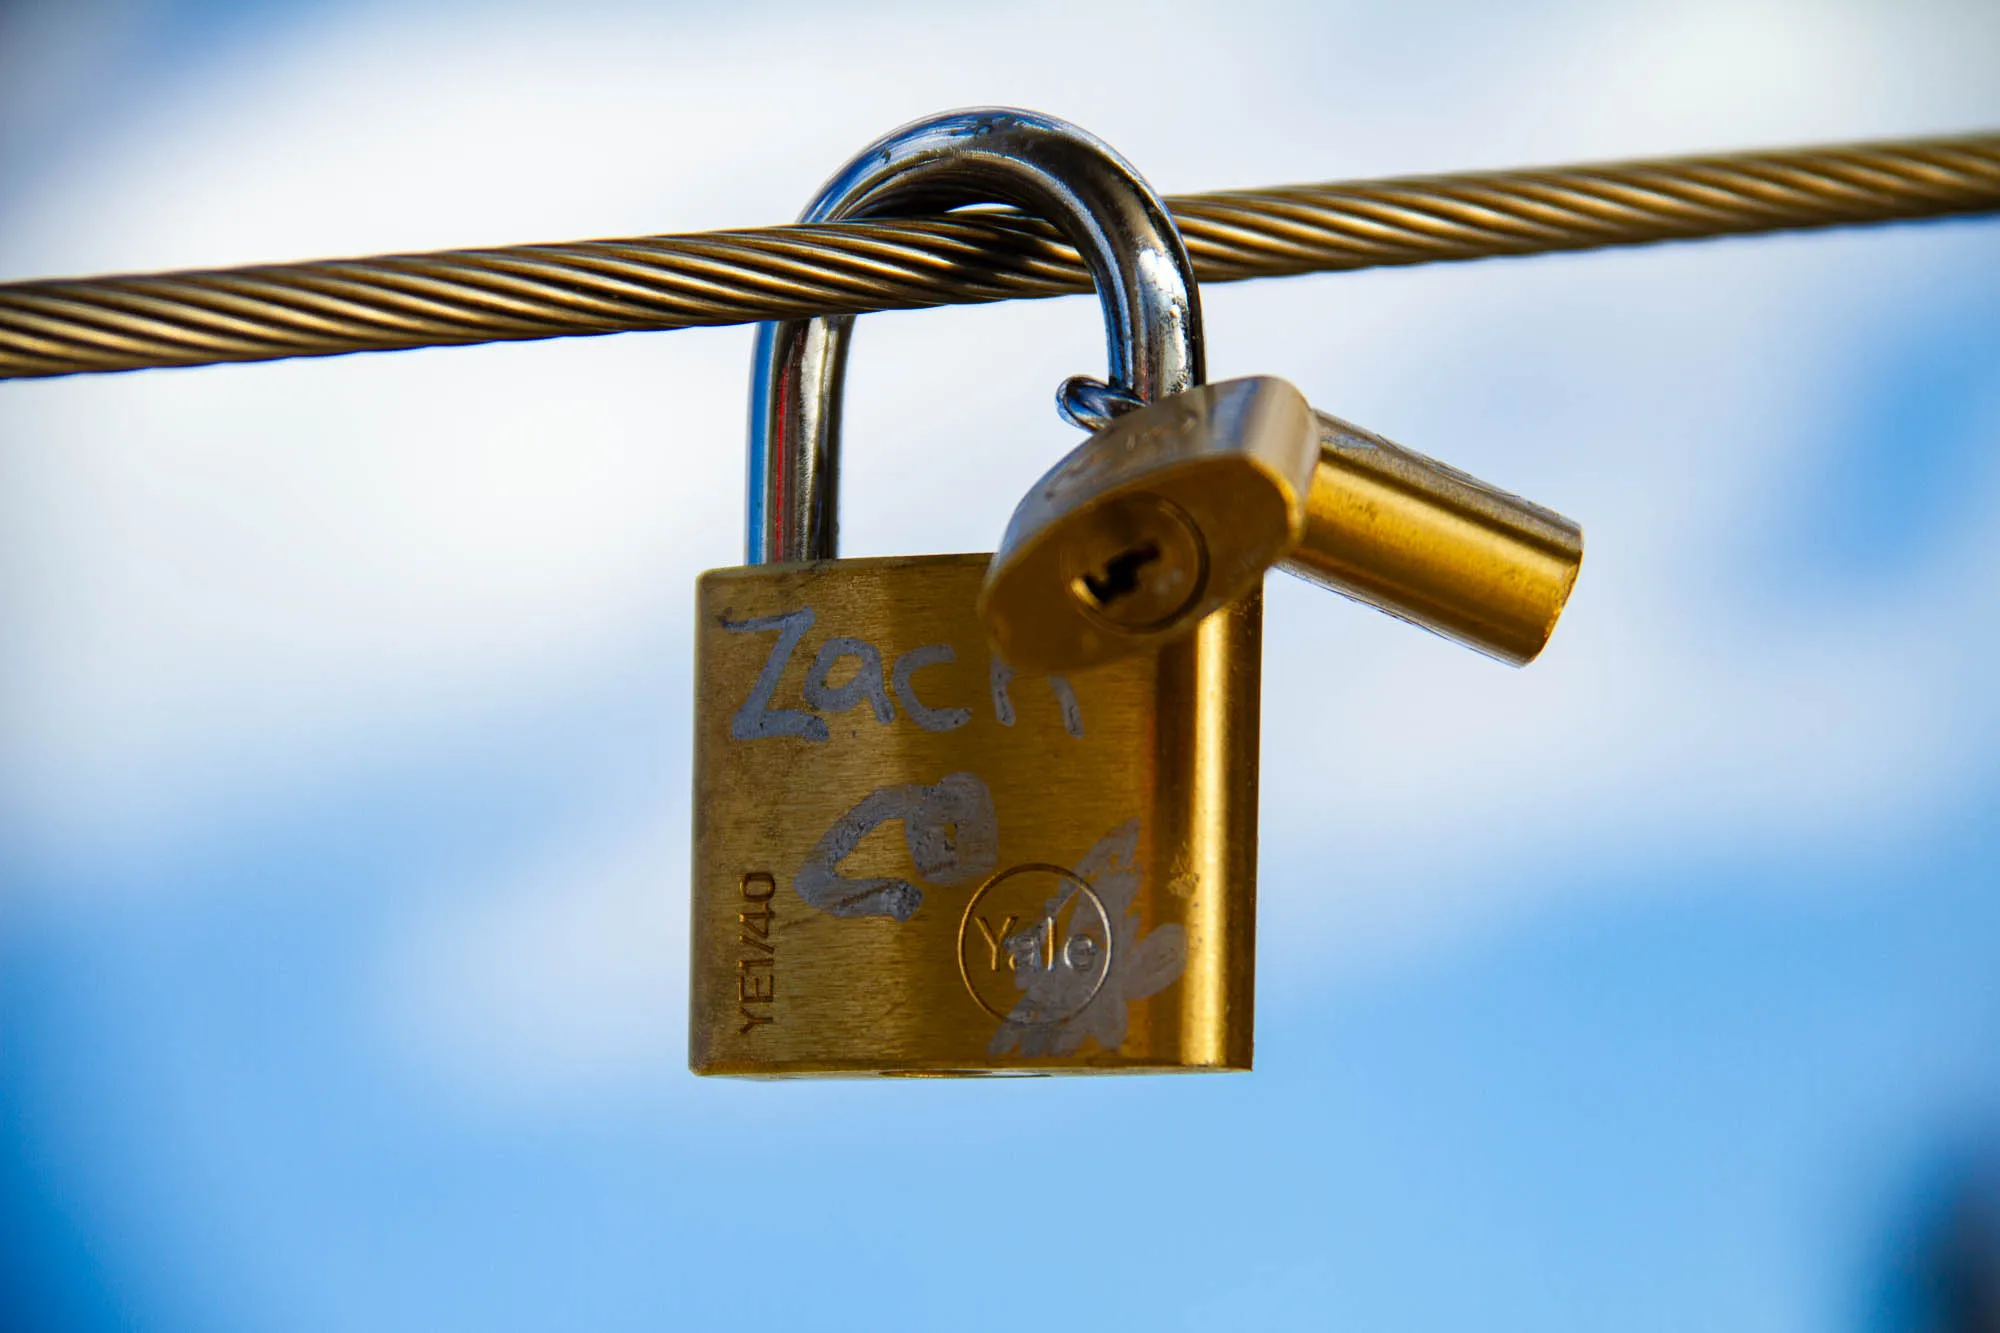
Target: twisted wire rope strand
point(391, 302)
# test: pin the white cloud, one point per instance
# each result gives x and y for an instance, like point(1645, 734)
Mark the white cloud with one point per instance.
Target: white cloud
point(558, 980)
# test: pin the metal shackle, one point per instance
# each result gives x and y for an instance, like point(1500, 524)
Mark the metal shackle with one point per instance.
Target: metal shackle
point(1047, 168)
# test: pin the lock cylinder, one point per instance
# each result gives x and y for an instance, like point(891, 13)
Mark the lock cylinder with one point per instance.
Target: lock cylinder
point(1408, 535)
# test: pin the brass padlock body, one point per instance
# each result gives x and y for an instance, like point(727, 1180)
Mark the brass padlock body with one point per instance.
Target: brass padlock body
point(1163, 516)
point(909, 860)
point(1425, 542)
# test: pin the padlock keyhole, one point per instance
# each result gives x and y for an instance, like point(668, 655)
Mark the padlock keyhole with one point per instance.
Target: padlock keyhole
point(1135, 563)
point(1120, 576)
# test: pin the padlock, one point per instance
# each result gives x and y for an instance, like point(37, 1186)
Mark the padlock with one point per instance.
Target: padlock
point(909, 857)
point(1392, 529)
point(1169, 513)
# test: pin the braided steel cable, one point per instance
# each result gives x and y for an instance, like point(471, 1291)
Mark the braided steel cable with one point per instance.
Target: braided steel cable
point(266, 312)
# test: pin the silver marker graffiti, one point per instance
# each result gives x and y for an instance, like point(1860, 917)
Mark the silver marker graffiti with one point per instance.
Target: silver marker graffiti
point(758, 717)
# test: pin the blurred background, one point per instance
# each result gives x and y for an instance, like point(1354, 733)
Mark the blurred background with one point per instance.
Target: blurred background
point(344, 733)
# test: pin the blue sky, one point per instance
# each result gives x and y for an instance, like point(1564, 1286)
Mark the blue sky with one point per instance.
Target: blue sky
point(343, 803)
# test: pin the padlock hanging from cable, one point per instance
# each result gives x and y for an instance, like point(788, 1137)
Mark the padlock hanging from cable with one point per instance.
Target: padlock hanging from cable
point(909, 857)
point(1231, 467)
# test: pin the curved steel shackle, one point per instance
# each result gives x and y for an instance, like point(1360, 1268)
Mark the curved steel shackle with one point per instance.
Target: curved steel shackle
point(1042, 165)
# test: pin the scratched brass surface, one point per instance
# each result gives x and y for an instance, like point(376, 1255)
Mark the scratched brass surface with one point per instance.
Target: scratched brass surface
point(1120, 834)
point(1422, 541)
point(1163, 516)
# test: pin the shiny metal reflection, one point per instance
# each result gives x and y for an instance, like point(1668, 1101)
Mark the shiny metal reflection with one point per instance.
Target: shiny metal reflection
point(1405, 534)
